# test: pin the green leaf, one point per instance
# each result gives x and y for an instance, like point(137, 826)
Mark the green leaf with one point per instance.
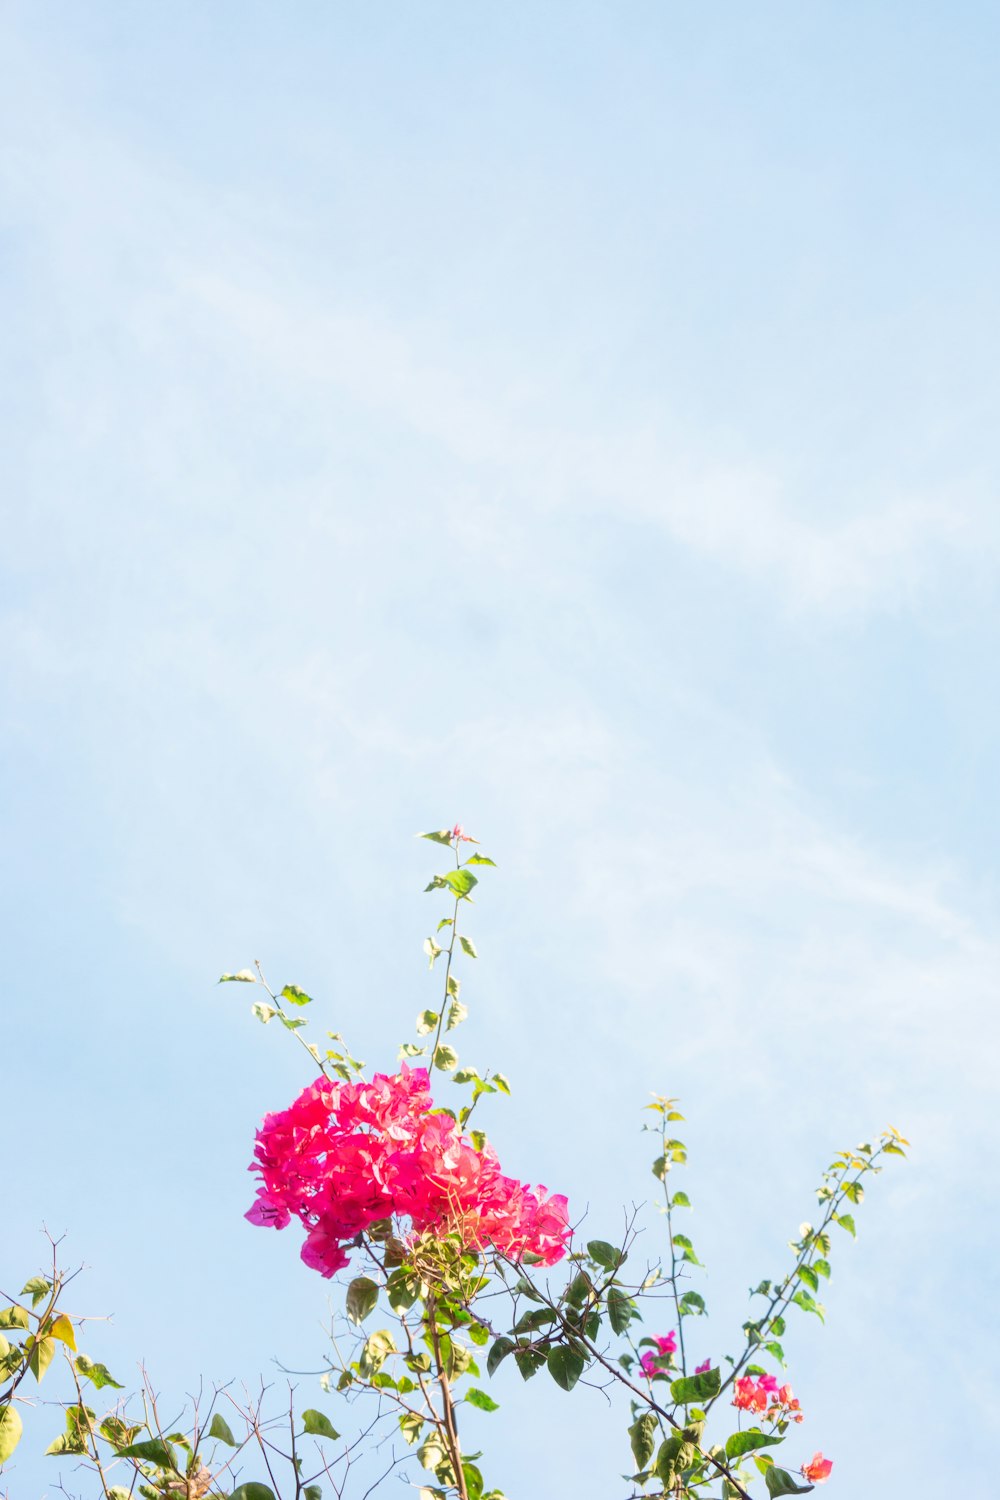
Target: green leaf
point(253, 1491)
point(362, 1298)
point(605, 1255)
point(747, 1442)
point(692, 1304)
point(680, 1200)
point(528, 1361)
point(317, 1424)
point(264, 1013)
point(445, 1058)
point(62, 1328)
point(461, 882)
point(14, 1317)
point(431, 1452)
point(11, 1428)
point(295, 996)
point(696, 1389)
point(245, 976)
point(808, 1275)
point(688, 1249)
point(780, 1482)
point(442, 836)
point(480, 1399)
point(854, 1191)
point(498, 1352)
point(117, 1432)
point(776, 1351)
point(67, 1442)
point(426, 1022)
point(221, 1429)
point(466, 1075)
point(480, 859)
point(402, 1290)
point(98, 1375)
point(473, 1479)
point(37, 1289)
point(808, 1303)
point(620, 1313)
point(642, 1437)
point(822, 1267)
point(530, 1322)
point(468, 946)
point(40, 1357)
point(376, 1347)
point(152, 1451)
point(501, 1082)
point(457, 1013)
point(565, 1366)
point(846, 1222)
point(312, 1492)
point(411, 1425)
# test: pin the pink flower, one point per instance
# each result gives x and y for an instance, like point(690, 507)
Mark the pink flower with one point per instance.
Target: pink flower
point(748, 1396)
point(817, 1470)
point(347, 1154)
point(653, 1364)
point(700, 1369)
point(785, 1406)
point(767, 1383)
point(460, 836)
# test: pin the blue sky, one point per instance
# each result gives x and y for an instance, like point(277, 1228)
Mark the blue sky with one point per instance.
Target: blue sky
point(577, 421)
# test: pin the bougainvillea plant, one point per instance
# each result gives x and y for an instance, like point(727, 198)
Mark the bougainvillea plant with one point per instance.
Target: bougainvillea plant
point(405, 1204)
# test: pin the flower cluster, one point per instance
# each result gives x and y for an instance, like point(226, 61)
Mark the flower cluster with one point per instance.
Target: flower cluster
point(346, 1155)
point(654, 1363)
point(766, 1397)
point(817, 1470)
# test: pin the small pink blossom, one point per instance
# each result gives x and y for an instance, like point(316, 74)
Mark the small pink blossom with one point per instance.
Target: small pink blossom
point(785, 1406)
point(653, 1364)
point(817, 1470)
point(700, 1369)
point(459, 835)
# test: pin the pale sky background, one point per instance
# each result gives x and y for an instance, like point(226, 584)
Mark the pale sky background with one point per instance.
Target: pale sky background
point(577, 420)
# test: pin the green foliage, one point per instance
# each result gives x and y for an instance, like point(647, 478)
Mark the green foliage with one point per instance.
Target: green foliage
point(362, 1298)
point(318, 1425)
point(11, 1428)
point(221, 1430)
point(781, 1483)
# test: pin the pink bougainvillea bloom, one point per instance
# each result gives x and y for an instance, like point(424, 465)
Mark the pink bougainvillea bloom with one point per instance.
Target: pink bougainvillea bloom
point(345, 1155)
point(460, 836)
point(700, 1369)
point(653, 1364)
point(748, 1395)
point(767, 1383)
point(785, 1406)
point(817, 1470)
